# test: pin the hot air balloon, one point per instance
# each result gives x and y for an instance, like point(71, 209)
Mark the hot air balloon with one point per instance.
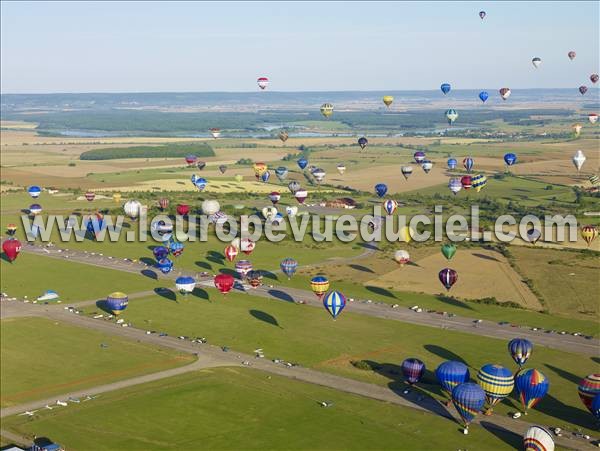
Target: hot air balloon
point(201, 165)
point(455, 185)
point(583, 89)
point(11, 229)
point(596, 406)
point(452, 163)
point(94, 224)
point(288, 266)
point(265, 176)
point(238, 177)
point(451, 374)
point(483, 96)
point(497, 383)
point(468, 163)
point(427, 165)
point(200, 183)
point(362, 142)
point(185, 284)
point(592, 118)
point(215, 132)
point(183, 209)
point(531, 387)
point(482, 15)
point(210, 206)
point(319, 174)
point(132, 208)
point(520, 350)
point(571, 55)
point(222, 169)
point(230, 252)
point(390, 206)
point(448, 277)
point(381, 189)
point(445, 87)
point(594, 180)
point(300, 195)
point(176, 248)
point(242, 267)
point(191, 159)
point(388, 100)
point(341, 168)
point(406, 171)
point(11, 248)
point(588, 389)
point(294, 186)
point(327, 110)
point(589, 233)
point(34, 191)
point(262, 82)
point(160, 252)
point(259, 169)
point(505, 93)
point(163, 203)
point(117, 197)
point(281, 172)
point(412, 370)
point(35, 209)
point(247, 245)
point(291, 210)
point(536, 62)
point(479, 182)
point(594, 78)
point(319, 285)
point(165, 265)
point(577, 129)
point(334, 303)
point(283, 136)
point(537, 438)
point(254, 278)
point(510, 159)
point(302, 163)
point(274, 197)
point(451, 116)
point(224, 282)
point(419, 156)
point(448, 251)
point(466, 181)
point(116, 302)
point(533, 235)
point(578, 159)
point(164, 230)
point(269, 212)
point(468, 399)
point(401, 257)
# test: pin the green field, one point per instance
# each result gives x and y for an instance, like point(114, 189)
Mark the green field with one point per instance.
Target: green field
point(42, 358)
point(237, 409)
point(309, 336)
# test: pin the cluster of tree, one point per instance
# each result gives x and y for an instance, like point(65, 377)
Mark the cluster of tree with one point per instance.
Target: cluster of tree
point(165, 151)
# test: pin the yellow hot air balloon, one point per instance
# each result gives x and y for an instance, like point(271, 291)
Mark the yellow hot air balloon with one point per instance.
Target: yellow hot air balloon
point(238, 177)
point(259, 169)
point(405, 234)
point(577, 128)
point(589, 233)
point(117, 197)
point(388, 100)
point(327, 110)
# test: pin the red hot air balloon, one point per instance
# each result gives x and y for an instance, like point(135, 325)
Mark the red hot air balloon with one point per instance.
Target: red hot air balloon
point(183, 209)
point(466, 182)
point(300, 196)
point(224, 282)
point(448, 277)
point(231, 252)
point(247, 245)
point(11, 248)
point(594, 78)
point(90, 196)
point(583, 89)
point(163, 203)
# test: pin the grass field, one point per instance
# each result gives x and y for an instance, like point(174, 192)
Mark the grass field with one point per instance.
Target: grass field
point(42, 358)
point(309, 336)
point(233, 408)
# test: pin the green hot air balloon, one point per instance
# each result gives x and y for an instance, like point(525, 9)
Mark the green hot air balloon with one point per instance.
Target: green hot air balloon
point(448, 250)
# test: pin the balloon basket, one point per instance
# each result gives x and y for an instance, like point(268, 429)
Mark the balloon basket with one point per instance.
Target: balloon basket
point(466, 431)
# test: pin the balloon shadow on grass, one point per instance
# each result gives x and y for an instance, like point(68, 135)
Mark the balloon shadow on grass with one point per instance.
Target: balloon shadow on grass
point(215, 257)
point(510, 438)
point(557, 409)
point(269, 275)
point(264, 317)
point(231, 272)
point(453, 301)
point(281, 295)
point(203, 265)
point(565, 374)
point(150, 274)
point(5, 257)
point(444, 353)
point(381, 291)
point(102, 305)
point(361, 268)
point(200, 293)
point(166, 293)
point(485, 257)
point(147, 261)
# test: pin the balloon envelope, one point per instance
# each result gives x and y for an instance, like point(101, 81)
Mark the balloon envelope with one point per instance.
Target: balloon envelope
point(412, 370)
point(445, 87)
point(520, 350)
point(224, 282)
point(381, 189)
point(11, 248)
point(588, 389)
point(452, 373)
point(531, 387)
point(537, 438)
point(483, 96)
point(117, 302)
point(468, 398)
point(334, 303)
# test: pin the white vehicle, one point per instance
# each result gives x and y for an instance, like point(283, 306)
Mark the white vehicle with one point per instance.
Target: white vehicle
point(516, 415)
point(27, 412)
point(61, 403)
point(48, 407)
point(75, 400)
point(48, 295)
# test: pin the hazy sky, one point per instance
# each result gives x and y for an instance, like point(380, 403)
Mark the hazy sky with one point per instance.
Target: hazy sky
point(300, 46)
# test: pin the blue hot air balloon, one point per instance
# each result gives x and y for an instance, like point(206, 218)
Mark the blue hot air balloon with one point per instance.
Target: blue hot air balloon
point(334, 302)
point(200, 183)
point(288, 266)
point(165, 265)
point(483, 95)
point(413, 370)
point(281, 172)
point(116, 302)
point(596, 406)
point(381, 189)
point(468, 398)
point(531, 387)
point(302, 163)
point(510, 159)
point(445, 87)
point(185, 284)
point(160, 252)
point(34, 191)
point(520, 350)
point(452, 373)
point(176, 248)
point(468, 163)
point(265, 176)
point(452, 163)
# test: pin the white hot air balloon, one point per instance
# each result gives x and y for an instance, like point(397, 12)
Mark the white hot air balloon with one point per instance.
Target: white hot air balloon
point(537, 438)
point(132, 208)
point(269, 212)
point(406, 171)
point(402, 257)
point(262, 82)
point(291, 211)
point(341, 168)
point(578, 159)
point(536, 62)
point(427, 166)
point(593, 118)
point(210, 207)
point(319, 175)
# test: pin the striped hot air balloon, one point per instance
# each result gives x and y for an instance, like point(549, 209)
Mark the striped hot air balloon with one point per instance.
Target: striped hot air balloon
point(390, 206)
point(594, 180)
point(90, 196)
point(117, 302)
point(468, 163)
point(412, 370)
point(327, 110)
point(468, 399)
point(334, 302)
point(254, 278)
point(479, 181)
point(589, 233)
point(497, 382)
point(243, 267)
point(455, 185)
point(520, 350)
point(163, 203)
point(588, 389)
point(319, 285)
point(448, 277)
point(531, 387)
point(452, 373)
point(230, 252)
point(34, 191)
point(288, 266)
point(537, 438)
point(452, 163)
